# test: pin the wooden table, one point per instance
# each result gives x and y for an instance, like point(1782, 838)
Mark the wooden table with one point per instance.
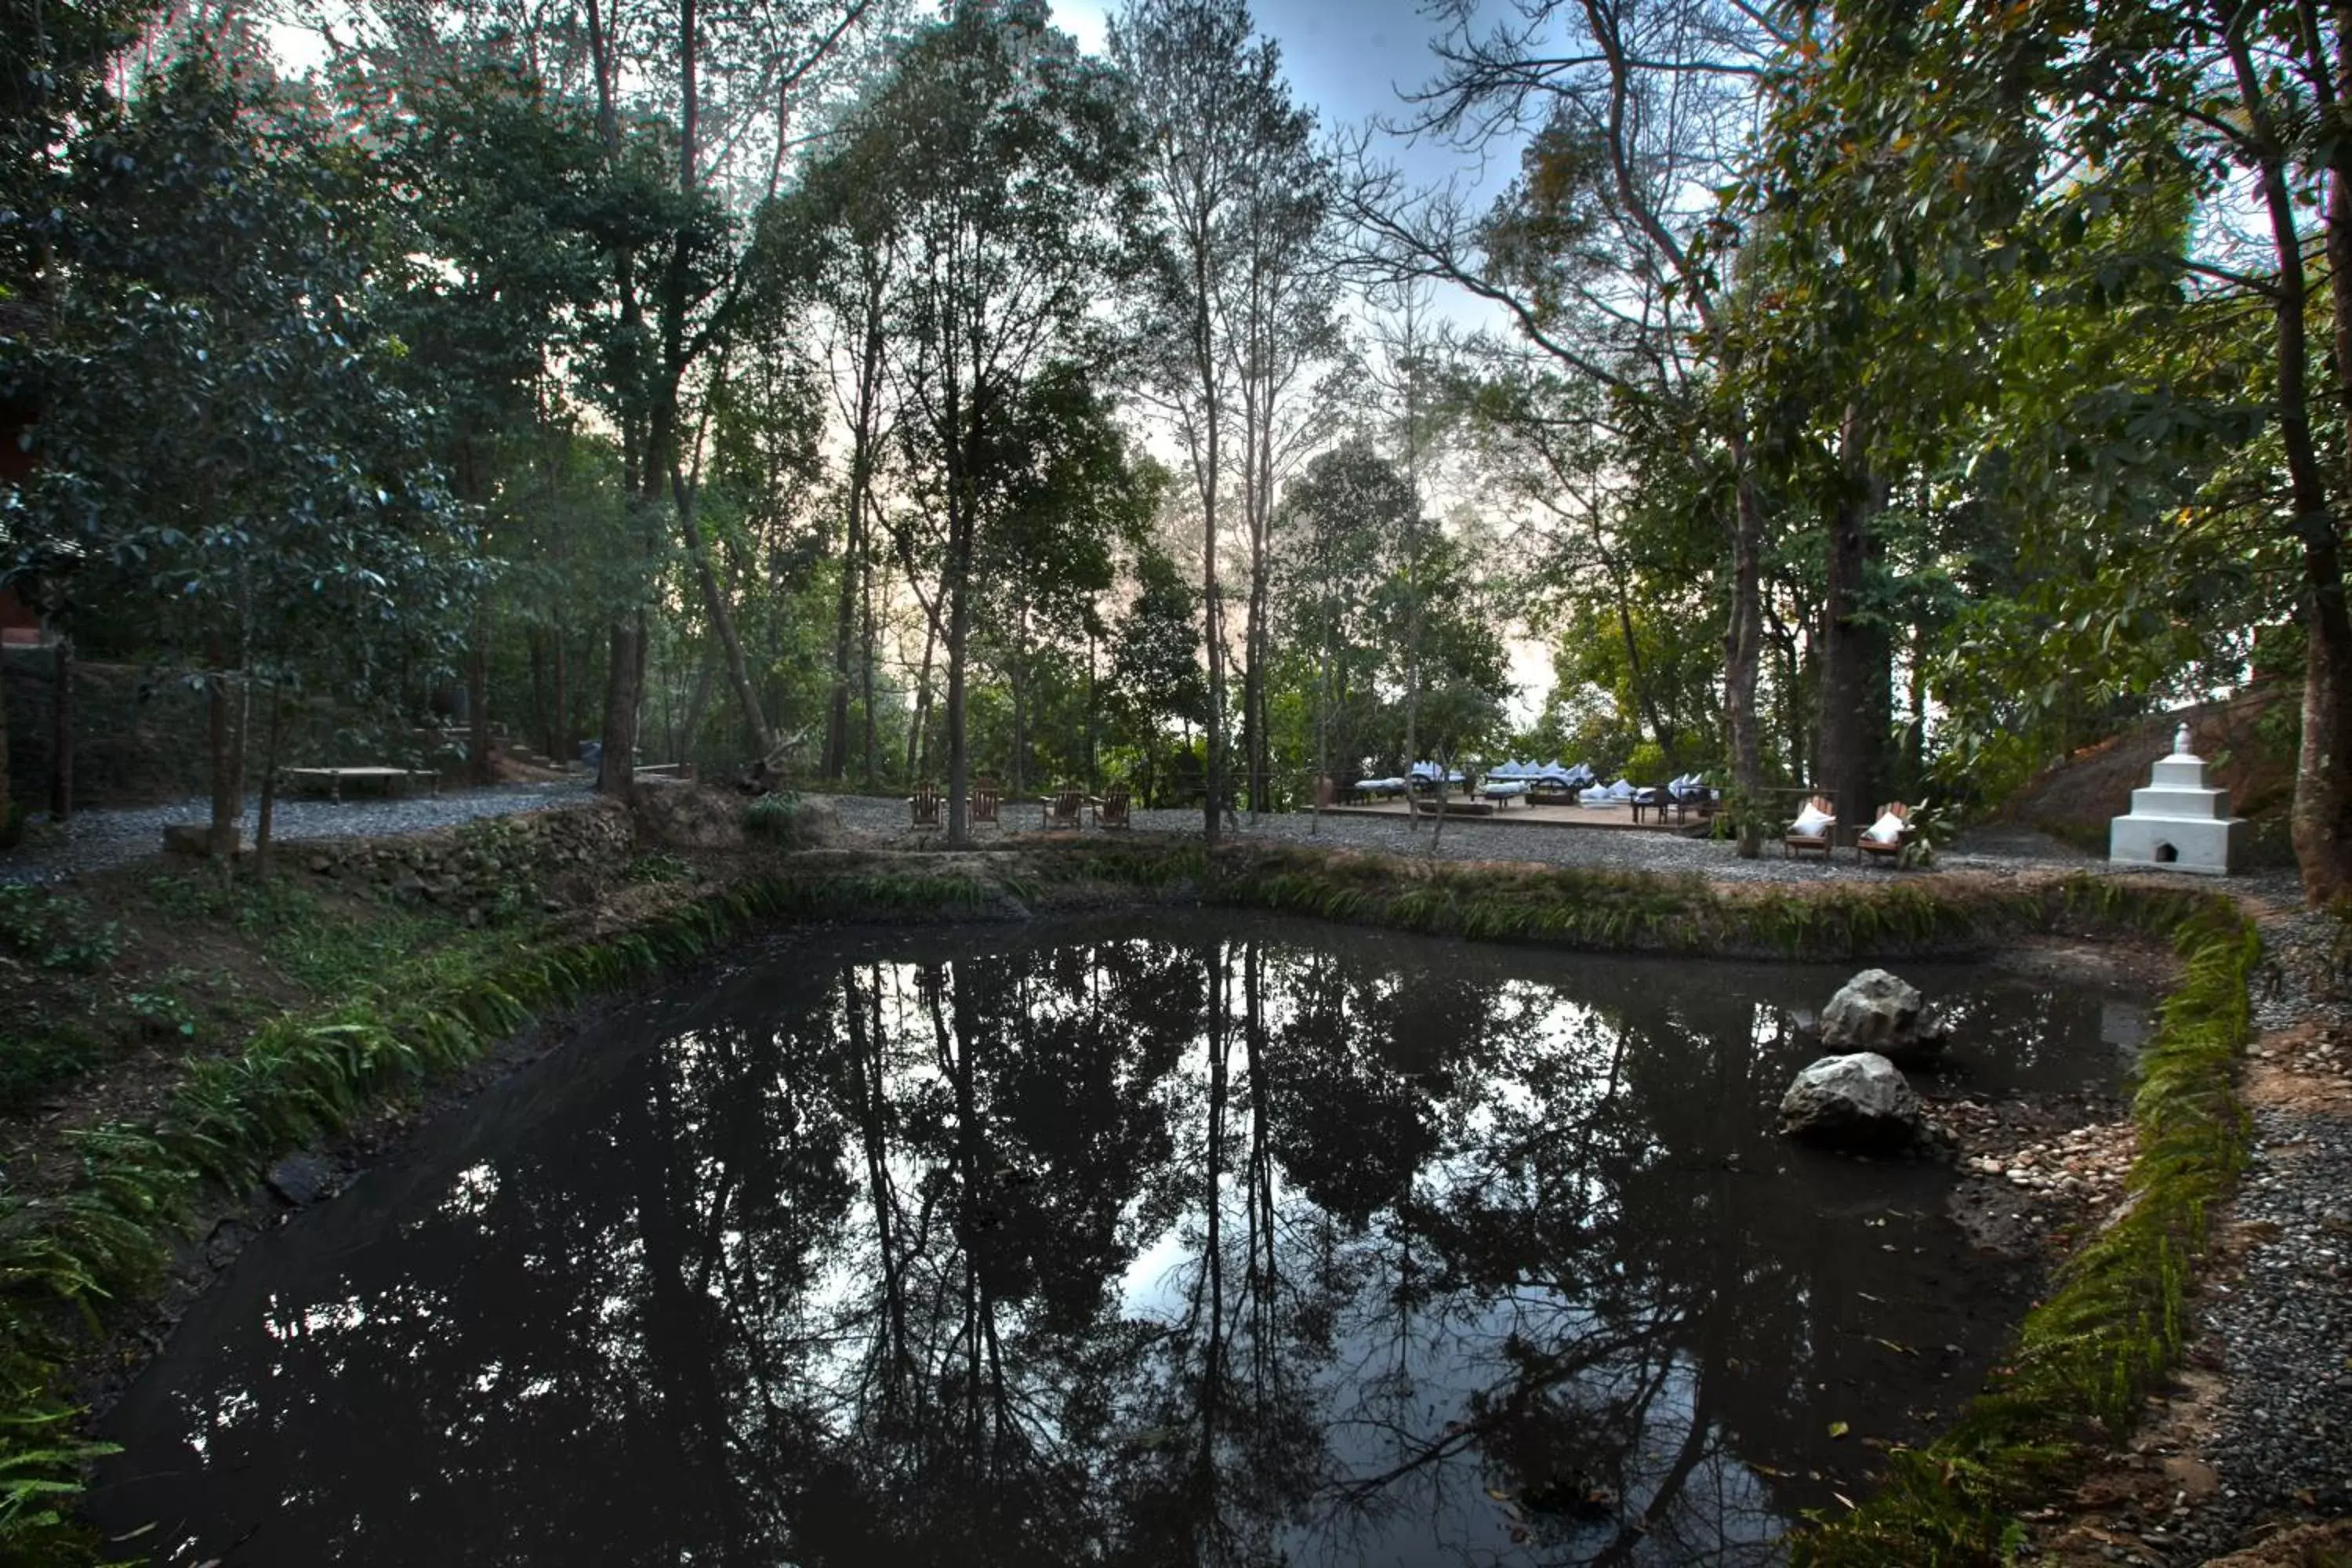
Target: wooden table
point(335, 778)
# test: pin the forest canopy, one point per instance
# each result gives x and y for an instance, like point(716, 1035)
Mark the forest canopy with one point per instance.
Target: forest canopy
point(851, 395)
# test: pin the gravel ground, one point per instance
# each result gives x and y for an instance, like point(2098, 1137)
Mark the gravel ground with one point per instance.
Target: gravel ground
point(2280, 1321)
point(94, 840)
point(1998, 852)
point(2283, 1325)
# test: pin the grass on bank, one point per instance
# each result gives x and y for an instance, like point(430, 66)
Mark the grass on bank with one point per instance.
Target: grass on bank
point(107, 1236)
point(2085, 1358)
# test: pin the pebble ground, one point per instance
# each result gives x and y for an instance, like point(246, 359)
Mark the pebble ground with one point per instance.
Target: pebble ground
point(97, 839)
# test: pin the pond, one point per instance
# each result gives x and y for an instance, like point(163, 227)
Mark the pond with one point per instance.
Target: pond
point(1139, 1240)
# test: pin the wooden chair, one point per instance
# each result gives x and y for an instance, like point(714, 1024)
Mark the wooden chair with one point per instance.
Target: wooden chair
point(1795, 842)
point(1866, 848)
point(985, 796)
point(925, 805)
point(1111, 810)
point(1066, 809)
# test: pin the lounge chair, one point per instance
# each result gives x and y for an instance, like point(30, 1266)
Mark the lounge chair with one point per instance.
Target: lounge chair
point(1066, 809)
point(1111, 810)
point(925, 806)
point(985, 798)
point(1869, 846)
point(1814, 829)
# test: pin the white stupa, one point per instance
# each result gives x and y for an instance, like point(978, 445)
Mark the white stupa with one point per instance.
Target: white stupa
point(2177, 823)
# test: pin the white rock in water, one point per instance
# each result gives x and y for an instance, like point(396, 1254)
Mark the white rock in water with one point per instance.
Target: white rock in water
point(1876, 1012)
point(1860, 1101)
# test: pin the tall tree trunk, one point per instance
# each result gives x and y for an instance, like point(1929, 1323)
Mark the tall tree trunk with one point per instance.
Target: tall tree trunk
point(1020, 702)
point(263, 829)
point(918, 741)
point(1743, 642)
point(624, 686)
point(837, 720)
point(865, 665)
point(536, 641)
point(2321, 814)
point(696, 707)
point(479, 768)
point(960, 524)
point(1322, 734)
point(1850, 726)
point(228, 802)
point(721, 612)
point(1212, 606)
point(560, 743)
point(7, 804)
point(61, 741)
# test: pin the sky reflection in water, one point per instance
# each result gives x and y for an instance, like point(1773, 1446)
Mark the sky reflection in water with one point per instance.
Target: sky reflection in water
point(1179, 1241)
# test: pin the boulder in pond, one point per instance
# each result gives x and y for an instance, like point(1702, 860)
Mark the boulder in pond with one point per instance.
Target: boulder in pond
point(1856, 1101)
point(301, 1180)
point(1876, 1012)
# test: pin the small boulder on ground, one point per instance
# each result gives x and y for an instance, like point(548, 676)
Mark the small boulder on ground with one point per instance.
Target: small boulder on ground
point(1856, 1101)
point(196, 839)
point(1876, 1012)
point(688, 815)
point(809, 822)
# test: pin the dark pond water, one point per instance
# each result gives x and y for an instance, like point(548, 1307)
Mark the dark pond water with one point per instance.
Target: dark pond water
point(1168, 1241)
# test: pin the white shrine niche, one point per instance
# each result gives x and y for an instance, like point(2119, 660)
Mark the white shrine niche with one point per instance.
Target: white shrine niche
point(2178, 823)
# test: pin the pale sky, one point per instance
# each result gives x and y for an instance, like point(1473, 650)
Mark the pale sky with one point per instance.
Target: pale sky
point(1348, 60)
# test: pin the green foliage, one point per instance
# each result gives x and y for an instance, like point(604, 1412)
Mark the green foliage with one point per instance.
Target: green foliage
point(659, 865)
point(1156, 684)
point(37, 1059)
point(773, 816)
point(162, 1011)
point(55, 931)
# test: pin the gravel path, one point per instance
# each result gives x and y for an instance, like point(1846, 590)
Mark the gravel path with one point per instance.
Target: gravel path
point(96, 839)
point(1997, 852)
point(2278, 1434)
point(2283, 1325)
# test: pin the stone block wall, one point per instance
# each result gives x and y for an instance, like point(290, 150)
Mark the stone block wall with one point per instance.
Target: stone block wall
point(485, 868)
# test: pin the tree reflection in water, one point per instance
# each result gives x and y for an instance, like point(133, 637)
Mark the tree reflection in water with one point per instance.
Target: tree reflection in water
point(1265, 1245)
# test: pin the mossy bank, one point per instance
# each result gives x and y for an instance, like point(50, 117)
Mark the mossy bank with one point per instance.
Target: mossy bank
point(96, 1205)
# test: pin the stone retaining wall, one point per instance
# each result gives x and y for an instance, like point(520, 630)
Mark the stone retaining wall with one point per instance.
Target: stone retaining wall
point(485, 869)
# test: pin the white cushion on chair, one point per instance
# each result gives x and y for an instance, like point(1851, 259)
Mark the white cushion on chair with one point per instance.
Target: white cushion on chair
point(1811, 821)
point(1887, 829)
